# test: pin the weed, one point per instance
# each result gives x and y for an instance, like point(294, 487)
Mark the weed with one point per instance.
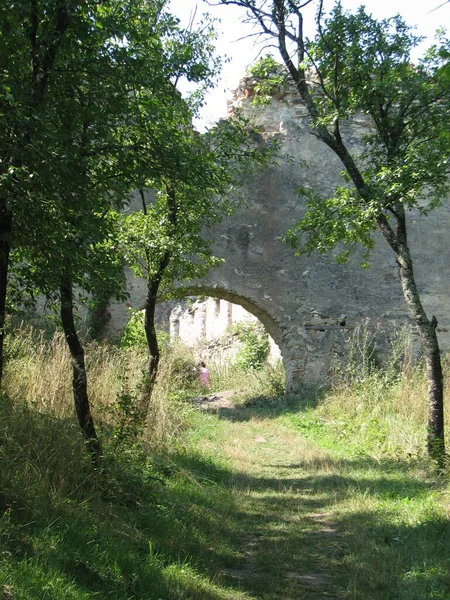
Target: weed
point(125, 414)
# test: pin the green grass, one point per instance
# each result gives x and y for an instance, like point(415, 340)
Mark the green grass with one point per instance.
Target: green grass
point(324, 495)
point(139, 528)
point(390, 516)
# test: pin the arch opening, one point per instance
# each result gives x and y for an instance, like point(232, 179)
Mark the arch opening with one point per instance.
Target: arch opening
point(281, 332)
point(209, 318)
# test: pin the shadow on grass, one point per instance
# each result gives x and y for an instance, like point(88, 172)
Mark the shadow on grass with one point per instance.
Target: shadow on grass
point(191, 529)
point(270, 536)
point(270, 407)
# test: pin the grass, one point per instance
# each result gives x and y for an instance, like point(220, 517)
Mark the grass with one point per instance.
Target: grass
point(360, 527)
point(325, 495)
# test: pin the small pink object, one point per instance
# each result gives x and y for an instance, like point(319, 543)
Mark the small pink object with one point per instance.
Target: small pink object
point(204, 375)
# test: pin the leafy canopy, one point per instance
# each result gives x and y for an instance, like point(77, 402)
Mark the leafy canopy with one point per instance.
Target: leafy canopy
point(360, 67)
point(88, 120)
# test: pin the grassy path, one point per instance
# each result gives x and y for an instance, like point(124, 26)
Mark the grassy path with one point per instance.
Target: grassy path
point(285, 540)
point(304, 524)
point(249, 505)
point(289, 543)
point(294, 498)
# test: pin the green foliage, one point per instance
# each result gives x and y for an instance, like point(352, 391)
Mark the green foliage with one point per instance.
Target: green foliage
point(134, 333)
point(364, 66)
point(166, 240)
point(254, 345)
point(444, 70)
point(270, 78)
point(90, 119)
point(341, 221)
point(147, 238)
point(127, 421)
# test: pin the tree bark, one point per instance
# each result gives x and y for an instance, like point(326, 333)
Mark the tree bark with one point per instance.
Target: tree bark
point(150, 332)
point(153, 285)
point(430, 343)
point(5, 247)
point(79, 377)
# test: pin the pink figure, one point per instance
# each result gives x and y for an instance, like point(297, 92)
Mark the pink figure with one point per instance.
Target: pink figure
point(204, 375)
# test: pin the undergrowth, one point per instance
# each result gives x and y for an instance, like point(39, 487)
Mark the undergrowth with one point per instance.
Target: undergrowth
point(161, 518)
point(372, 407)
point(132, 527)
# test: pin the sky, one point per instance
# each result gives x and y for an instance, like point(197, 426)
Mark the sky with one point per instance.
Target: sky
point(242, 51)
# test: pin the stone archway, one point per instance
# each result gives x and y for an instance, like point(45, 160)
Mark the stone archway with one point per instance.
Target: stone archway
point(120, 314)
point(250, 305)
point(309, 304)
point(227, 301)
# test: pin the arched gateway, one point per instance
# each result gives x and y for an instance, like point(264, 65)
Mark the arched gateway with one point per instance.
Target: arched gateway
point(309, 304)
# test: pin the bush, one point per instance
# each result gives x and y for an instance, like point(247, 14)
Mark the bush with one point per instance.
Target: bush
point(254, 346)
point(134, 333)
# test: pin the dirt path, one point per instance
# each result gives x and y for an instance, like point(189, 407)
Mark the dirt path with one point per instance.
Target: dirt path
point(287, 542)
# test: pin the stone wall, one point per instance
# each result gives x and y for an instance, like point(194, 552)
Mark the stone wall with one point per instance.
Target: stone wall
point(302, 300)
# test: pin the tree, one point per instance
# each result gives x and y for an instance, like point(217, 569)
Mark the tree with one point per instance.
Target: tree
point(357, 64)
point(195, 186)
point(64, 269)
point(44, 177)
point(75, 140)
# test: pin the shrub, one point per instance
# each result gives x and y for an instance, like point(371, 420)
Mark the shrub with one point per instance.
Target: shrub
point(134, 333)
point(254, 345)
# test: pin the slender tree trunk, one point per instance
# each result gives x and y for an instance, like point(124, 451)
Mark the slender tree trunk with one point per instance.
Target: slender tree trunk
point(430, 343)
point(153, 285)
point(152, 341)
point(79, 378)
point(5, 246)
point(150, 333)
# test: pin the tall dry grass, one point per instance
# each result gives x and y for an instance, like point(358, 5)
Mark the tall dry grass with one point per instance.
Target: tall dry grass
point(38, 375)
point(381, 407)
point(38, 372)
point(379, 410)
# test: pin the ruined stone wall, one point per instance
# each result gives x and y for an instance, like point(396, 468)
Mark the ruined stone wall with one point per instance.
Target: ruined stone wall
point(302, 300)
point(208, 324)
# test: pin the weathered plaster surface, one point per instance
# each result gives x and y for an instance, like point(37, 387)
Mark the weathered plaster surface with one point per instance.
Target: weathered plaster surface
point(300, 300)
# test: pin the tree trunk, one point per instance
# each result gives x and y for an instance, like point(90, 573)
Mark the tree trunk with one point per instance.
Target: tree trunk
point(79, 378)
point(430, 343)
point(152, 343)
point(150, 333)
point(5, 246)
point(153, 285)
